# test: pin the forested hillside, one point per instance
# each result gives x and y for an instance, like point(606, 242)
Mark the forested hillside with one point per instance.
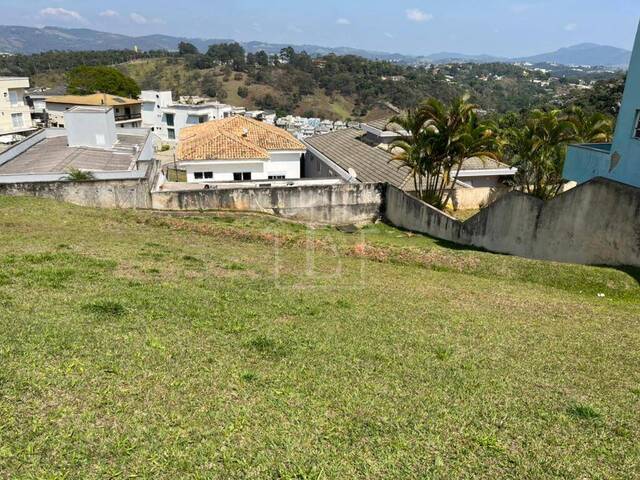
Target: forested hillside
point(330, 86)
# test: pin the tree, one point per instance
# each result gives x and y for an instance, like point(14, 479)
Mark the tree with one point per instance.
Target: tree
point(590, 128)
point(262, 58)
point(87, 80)
point(243, 92)
point(186, 48)
point(538, 151)
point(438, 139)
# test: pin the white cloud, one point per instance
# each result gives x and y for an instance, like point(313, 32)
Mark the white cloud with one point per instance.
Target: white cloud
point(109, 13)
point(343, 21)
point(388, 35)
point(142, 20)
point(63, 14)
point(570, 27)
point(417, 15)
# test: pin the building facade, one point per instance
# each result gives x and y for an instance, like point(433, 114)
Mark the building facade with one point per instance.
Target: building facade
point(619, 160)
point(167, 118)
point(15, 114)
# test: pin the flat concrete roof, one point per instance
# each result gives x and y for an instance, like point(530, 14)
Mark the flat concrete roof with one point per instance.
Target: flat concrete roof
point(52, 155)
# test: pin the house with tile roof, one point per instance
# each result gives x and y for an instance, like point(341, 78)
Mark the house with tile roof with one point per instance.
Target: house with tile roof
point(127, 111)
point(363, 155)
point(238, 149)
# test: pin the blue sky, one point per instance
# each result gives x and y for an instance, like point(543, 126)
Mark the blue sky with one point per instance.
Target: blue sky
point(499, 27)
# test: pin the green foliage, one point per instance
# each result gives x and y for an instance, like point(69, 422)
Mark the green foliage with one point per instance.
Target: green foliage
point(243, 92)
point(87, 80)
point(76, 175)
point(437, 140)
point(186, 48)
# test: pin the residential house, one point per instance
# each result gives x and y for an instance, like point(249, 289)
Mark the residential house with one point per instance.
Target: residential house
point(238, 149)
point(364, 156)
point(127, 111)
point(619, 160)
point(167, 118)
point(15, 115)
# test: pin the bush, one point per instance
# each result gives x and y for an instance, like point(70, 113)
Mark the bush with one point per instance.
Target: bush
point(76, 175)
point(243, 92)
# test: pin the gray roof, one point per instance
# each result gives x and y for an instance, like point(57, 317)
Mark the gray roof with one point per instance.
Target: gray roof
point(371, 164)
point(53, 155)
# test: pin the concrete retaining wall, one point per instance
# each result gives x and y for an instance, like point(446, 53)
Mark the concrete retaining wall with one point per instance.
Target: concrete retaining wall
point(596, 223)
point(326, 204)
point(101, 193)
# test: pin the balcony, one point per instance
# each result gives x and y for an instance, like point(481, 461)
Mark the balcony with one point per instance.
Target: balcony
point(587, 161)
point(124, 117)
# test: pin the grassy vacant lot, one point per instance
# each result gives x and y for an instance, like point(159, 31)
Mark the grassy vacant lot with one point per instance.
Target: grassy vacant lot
point(135, 345)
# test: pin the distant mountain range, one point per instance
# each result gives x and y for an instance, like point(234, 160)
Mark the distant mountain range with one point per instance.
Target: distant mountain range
point(17, 39)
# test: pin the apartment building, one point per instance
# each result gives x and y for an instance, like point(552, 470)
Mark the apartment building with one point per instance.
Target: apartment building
point(15, 115)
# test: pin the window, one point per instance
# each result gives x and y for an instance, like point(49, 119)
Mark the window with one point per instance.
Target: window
point(637, 131)
point(277, 177)
point(16, 120)
point(238, 176)
point(171, 133)
point(13, 97)
point(208, 175)
point(198, 175)
point(170, 119)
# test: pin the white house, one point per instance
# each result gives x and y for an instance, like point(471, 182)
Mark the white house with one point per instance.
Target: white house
point(238, 149)
point(15, 114)
point(167, 118)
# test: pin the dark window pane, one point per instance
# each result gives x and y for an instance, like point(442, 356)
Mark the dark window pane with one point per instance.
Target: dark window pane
point(208, 174)
point(197, 175)
point(246, 176)
point(237, 176)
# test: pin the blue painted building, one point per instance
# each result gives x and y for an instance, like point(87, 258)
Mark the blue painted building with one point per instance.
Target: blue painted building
point(621, 160)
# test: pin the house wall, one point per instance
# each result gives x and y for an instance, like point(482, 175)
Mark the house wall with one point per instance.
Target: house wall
point(281, 163)
point(186, 116)
point(325, 204)
point(56, 111)
point(12, 103)
point(595, 223)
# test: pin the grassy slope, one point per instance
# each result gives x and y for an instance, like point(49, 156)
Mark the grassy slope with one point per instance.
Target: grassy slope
point(132, 344)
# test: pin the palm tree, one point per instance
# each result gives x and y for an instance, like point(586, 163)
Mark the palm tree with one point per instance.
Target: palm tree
point(590, 128)
point(538, 151)
point(457, 136)
point(408, 152)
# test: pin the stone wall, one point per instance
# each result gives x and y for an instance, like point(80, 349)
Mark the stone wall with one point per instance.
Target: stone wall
point(596, 223)
point(324, 204)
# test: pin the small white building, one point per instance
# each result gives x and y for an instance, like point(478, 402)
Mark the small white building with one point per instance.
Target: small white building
point(238, 149)
point(15, 114)
point(167, 118)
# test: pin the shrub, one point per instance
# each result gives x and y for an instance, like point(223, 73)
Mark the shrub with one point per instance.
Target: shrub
point(76, 175)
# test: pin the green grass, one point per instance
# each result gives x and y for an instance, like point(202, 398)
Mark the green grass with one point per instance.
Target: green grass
point(217, 346)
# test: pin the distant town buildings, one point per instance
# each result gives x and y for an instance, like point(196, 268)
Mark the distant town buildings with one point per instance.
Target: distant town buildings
point(301, 127)
point(15, 114)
